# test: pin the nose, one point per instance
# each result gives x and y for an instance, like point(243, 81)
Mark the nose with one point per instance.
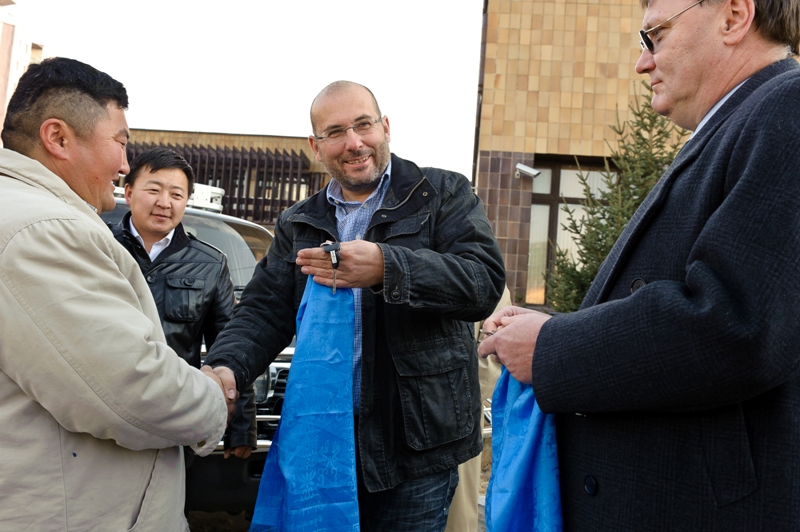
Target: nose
point(162, 200)
point(353, 141)
point(645, 63)
point(124, 168)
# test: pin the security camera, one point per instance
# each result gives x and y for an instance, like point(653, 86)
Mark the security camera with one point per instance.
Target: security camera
point(527, 170)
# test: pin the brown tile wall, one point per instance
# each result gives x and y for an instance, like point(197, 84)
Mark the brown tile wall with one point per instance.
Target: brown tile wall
point(555, 74)
point(508, 206)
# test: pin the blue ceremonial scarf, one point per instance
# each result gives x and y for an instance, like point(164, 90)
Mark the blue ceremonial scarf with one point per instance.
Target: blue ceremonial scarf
point(524, 492)
point(309, 479)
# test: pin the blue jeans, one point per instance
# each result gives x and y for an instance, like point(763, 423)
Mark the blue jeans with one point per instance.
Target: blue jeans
point(418, 505)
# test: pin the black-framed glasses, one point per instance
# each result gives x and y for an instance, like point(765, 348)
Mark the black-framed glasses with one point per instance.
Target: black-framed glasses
point(338, 134)
point(644, 38)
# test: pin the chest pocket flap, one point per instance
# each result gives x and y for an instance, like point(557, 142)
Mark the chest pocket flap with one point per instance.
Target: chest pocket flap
point(411, 232)
point(183, 298)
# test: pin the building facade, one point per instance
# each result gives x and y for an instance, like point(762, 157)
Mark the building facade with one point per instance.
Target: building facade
point(17, 51)
point(555, 75)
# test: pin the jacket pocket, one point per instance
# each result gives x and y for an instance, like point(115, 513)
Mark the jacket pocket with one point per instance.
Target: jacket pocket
point(411, 232)
point(183, 298)
point(161, 504)
point(435, 399)
point(729, 461)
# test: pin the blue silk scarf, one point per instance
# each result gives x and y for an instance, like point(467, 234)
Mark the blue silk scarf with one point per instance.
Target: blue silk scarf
point(524, 490)
point(309, 479)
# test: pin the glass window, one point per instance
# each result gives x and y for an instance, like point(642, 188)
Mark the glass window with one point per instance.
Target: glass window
point(542, 182)
point(537, 253)
point(564, 237)
point(571, 186)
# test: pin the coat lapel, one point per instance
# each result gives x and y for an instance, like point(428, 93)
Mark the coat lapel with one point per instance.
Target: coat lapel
point(613, 264)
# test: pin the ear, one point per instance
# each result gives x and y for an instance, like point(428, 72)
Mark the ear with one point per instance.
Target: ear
point(386, 128)
point(738, 20)
point(312, 140)
point(57, 137)
point(128, 193)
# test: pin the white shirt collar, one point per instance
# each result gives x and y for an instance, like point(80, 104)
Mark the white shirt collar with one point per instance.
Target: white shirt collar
point(714, 109)
point(158, 247)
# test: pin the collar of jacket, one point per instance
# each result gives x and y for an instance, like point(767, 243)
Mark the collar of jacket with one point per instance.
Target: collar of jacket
point(180, 239)
point(408, 190)
point(742, 93)
point(33, 173)
point(606, 276)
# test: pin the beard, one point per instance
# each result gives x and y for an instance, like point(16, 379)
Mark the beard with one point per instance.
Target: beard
point(364, 183)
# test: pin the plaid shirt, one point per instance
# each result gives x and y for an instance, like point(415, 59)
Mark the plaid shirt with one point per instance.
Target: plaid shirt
point(352, 220)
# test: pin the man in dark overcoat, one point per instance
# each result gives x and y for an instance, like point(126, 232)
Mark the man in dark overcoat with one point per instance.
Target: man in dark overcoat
point(677, 384)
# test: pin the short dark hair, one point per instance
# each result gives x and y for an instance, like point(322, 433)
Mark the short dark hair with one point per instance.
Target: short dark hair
point(61, 88)
point(776, 20)
point(159, 159)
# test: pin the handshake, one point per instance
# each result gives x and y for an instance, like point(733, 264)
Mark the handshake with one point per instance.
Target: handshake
point(227, 382)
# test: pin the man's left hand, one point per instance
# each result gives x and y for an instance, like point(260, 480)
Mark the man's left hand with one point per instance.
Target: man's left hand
point(515, 332)
point(243, 451)
point(360, 265)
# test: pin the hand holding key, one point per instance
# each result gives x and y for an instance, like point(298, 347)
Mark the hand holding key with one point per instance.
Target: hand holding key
point(360, 264)
point(333, 249)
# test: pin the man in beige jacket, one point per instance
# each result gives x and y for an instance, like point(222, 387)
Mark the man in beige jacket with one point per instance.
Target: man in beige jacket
point(93, 404)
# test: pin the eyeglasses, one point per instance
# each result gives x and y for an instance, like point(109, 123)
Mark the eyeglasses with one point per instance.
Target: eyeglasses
point(645, 40)
point(338, 134)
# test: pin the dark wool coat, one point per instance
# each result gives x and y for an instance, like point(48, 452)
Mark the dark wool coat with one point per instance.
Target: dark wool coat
point(683, 363)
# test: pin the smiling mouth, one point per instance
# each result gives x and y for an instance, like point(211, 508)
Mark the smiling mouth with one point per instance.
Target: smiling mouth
point(362, 160)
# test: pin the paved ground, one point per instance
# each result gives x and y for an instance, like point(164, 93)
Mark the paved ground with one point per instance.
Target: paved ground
point(217, 522)
point(223, 522)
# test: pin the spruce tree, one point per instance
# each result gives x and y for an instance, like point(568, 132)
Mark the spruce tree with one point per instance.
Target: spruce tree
point(646, 145)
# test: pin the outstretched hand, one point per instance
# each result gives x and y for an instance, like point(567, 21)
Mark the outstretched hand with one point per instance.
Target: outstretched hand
point(511, 335)
point(227, 383)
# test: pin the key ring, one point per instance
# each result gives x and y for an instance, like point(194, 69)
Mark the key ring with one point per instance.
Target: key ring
point(333, 248)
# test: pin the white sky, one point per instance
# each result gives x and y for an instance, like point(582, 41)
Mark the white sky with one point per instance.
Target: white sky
point(253, 66)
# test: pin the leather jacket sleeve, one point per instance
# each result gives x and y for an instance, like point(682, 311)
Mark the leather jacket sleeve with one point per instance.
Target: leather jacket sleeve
point(221, 309)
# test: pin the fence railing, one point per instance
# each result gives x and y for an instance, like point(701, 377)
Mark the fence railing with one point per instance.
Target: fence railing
point(259, 184)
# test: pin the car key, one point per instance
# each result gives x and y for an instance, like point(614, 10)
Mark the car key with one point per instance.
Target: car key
point(333, 248)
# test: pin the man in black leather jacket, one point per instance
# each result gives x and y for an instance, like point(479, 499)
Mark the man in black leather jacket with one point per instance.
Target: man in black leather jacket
point(418, 248)
point(188, 278)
